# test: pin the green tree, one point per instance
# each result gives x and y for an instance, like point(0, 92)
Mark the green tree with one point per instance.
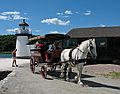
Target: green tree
point(7, 43)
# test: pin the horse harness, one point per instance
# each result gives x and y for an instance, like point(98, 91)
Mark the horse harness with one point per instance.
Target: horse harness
point(70, 53)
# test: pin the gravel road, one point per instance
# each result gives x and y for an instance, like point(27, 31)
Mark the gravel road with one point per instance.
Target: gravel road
point(22, 81)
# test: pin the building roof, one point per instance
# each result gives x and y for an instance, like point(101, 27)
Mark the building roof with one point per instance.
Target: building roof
point(36, 38)
point(23, 23)
point(56, 36)
point(95, 32)
point(50, 36)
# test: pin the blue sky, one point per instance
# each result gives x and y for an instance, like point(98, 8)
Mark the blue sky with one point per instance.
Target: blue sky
point(57, 16)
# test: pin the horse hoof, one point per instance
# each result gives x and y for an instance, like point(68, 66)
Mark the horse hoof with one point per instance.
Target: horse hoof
point(67, 79)
point(81, 84)
point(61, 76)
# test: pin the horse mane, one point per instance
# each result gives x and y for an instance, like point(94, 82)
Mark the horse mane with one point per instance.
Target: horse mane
point(83, 45)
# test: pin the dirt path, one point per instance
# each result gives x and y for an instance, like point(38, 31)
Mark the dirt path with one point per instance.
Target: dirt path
point(22, 81)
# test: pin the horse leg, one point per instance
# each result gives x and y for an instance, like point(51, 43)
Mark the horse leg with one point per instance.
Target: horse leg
point(65, 71)
point(62, 70)
point(68, 71)
point(79, 68)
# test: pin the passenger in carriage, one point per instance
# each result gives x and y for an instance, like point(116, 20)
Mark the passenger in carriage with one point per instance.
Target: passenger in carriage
point(58, 45)
point(51, 47)
point(40, 46)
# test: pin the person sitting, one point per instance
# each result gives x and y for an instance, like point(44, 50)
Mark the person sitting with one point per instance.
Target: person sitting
point(40, 47)
point(58, 45)
point(51, 47)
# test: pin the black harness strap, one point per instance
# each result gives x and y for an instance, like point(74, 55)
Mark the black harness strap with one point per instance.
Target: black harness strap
point(70, 53)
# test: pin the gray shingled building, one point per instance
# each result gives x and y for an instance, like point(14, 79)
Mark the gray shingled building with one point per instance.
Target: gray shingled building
point(107, 40)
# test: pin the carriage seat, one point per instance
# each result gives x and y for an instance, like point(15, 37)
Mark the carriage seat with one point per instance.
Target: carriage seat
point(56, 53)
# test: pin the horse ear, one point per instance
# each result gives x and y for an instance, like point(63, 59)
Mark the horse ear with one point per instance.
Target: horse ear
point(90, 39)
point(93, 39)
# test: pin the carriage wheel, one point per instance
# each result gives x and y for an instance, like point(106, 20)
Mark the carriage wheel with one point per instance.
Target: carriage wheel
point(53, 67)
point(44, 71)
point(32, 65)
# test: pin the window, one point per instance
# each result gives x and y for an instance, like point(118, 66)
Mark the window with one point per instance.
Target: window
point(101, 42)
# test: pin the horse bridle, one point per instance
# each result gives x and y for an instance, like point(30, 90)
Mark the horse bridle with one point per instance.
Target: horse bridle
point(91, 47)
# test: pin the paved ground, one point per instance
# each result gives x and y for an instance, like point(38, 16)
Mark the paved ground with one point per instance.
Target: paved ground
point(22, 81)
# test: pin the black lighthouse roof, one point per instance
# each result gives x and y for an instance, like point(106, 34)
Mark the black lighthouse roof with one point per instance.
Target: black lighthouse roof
point(23, 23)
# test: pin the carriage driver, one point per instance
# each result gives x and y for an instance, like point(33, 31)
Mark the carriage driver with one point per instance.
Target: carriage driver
point(41, 47)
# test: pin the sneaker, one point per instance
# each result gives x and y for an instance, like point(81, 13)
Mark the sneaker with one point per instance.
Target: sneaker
point(47, 60)
point(16, 65)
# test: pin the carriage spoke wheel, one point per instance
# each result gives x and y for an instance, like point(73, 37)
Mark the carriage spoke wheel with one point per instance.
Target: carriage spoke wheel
point(32, 66)
point(53, 68)
point(44, 72)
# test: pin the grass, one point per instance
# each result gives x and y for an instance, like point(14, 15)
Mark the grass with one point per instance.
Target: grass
point(113, 75)
point(5, 52)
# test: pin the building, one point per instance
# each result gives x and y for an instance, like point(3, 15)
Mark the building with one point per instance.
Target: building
point(107, 40)
point(23, 33)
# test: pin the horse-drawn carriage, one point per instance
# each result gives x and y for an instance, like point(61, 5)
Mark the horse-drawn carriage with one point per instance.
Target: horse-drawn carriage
point(37, 58)
point(66, 57)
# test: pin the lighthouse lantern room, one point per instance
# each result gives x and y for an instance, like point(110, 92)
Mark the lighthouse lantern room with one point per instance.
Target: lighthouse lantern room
point(23, 33)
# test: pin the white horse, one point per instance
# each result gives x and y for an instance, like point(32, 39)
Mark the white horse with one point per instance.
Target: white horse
point(80, 52)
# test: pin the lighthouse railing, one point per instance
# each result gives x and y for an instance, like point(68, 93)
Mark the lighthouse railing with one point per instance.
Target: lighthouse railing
point(21, 31)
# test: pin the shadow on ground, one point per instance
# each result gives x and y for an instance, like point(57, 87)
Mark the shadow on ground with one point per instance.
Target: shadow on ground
point(96, 84)
point(3, 74)
point(56, 75)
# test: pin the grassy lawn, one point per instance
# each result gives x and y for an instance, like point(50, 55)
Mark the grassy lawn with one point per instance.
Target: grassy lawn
point(5, 52)
point(113, 75)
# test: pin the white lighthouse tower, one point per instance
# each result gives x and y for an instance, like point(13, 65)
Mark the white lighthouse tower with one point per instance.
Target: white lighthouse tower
point(23, 33)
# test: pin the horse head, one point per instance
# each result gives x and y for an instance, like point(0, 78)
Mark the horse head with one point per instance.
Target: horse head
point(88, 47)
point(92, 48)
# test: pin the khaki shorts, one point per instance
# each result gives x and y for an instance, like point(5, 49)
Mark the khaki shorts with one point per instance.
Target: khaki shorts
point(14, 58)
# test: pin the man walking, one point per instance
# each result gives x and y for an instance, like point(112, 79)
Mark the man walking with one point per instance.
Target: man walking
point(14, 58)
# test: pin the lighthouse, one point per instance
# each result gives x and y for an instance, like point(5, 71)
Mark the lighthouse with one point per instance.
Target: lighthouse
point(23, 33)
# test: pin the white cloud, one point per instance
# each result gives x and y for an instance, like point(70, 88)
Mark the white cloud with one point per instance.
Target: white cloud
point(66, 16)
point(77, 12)
point(87, 13)
point(55, 21)
point(18, 17)
point(15, 15)
point(3, 17)
point(12, 30)
point(59, 13)
point(102, 25)
point(54, 31)
point(10, 13)
point(68, 12)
